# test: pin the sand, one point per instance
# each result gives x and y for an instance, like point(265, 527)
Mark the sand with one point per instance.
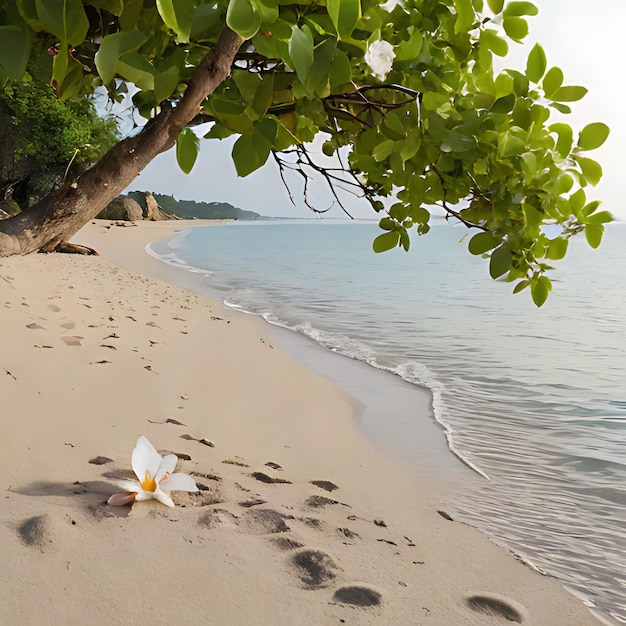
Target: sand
point(298, 520)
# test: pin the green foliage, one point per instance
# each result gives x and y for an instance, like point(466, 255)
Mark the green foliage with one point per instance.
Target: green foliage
point(53, 132)
point(442, 129)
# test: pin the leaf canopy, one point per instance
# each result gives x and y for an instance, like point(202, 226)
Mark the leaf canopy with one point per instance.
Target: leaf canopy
point(445, 131)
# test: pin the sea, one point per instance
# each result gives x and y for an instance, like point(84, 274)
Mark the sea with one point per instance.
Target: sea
point(531, 402)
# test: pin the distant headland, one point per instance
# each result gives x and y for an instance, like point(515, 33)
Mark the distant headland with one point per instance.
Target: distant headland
point(137, 205)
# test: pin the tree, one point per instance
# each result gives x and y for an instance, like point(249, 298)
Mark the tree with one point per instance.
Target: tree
point(42, 133)
point(405, 94)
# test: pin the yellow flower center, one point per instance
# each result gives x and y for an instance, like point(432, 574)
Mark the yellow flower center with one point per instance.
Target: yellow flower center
point(148, 483)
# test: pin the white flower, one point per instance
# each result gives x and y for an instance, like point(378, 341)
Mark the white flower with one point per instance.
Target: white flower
point(379, 56)
point(156, 479)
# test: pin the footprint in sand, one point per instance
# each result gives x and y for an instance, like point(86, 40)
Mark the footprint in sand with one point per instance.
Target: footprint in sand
point(320, 502)
point(270, 480)
point(497, 606)
point(314, 568)
point(263, 522)
point(34, 532)
point(72, 340)
point(358, 595)
point(286, 543)
point(214, 518)
point(326, 485)
point(252, 522)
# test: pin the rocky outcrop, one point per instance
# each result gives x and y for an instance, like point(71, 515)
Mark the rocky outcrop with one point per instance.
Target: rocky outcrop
point(121, 208)
point(152, 211)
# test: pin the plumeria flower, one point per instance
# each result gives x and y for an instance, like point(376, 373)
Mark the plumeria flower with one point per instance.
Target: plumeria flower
point(156, 479)
point(379, 57)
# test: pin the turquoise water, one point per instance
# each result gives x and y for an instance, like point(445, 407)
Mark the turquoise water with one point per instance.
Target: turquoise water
point(533, 399)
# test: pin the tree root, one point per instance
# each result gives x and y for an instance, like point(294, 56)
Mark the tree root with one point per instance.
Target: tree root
point(74, 248)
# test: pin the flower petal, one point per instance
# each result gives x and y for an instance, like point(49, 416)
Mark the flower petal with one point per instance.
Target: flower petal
point(163, 497)
point(144, 495)
point(120, 499)
point(145, 457)
point(179, 482)
point(168, 465)
point(129, 485)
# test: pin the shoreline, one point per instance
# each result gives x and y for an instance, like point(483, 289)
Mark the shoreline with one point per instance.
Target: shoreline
point(98, 355)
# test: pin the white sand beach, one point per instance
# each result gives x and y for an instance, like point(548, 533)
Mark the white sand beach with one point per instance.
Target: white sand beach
point(298, 520)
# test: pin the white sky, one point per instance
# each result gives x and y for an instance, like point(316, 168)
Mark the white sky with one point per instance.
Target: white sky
point(584, 38)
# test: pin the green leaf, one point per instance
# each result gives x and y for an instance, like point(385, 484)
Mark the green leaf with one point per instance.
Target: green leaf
point(59, 67)
point(386, 241)
point(565, 138)
point(515, 27)
point(269, 11)
point(341, 70)
point(114, 7)
point(495, 5)
point(593, 136)
point(187, 148)
point(592, 170)
point(243, 17)
point(231, 114)
point(515, 9)
point(589, 208)
point(504, 85)
point(218, 131)
point(345, 14)
point(539, 289)
point(500, 261)
point(319, 77)
point(593, 234)
point(483, 242)
point(112, 48)
point(137, 70)
point(405, 240)
point(552, 81)
point(251, 151)
point(165, 82)
point(503, 105)
point(206, 19)
point(399, 212)
point(301, 53)
point(71, 83)
point(383, 150)
point(577, 201)
point(529, 165)
point(177, 15)
point(557, 248)
point(130, 14)
point(601, 217)
point(510, 144)
point(457, 141)
point(65, 19)
point(536, 64)
point(570, 93)
point(263, 96)
point(248, 83)
point(14, 51)
point(409, 49)
point(464, 16)
point(28, 11)
point(490, 39)
point(521, 286)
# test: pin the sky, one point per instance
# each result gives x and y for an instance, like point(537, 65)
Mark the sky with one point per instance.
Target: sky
point(585, 39)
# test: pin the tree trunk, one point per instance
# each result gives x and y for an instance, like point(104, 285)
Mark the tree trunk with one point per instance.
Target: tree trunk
point(54, 219)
